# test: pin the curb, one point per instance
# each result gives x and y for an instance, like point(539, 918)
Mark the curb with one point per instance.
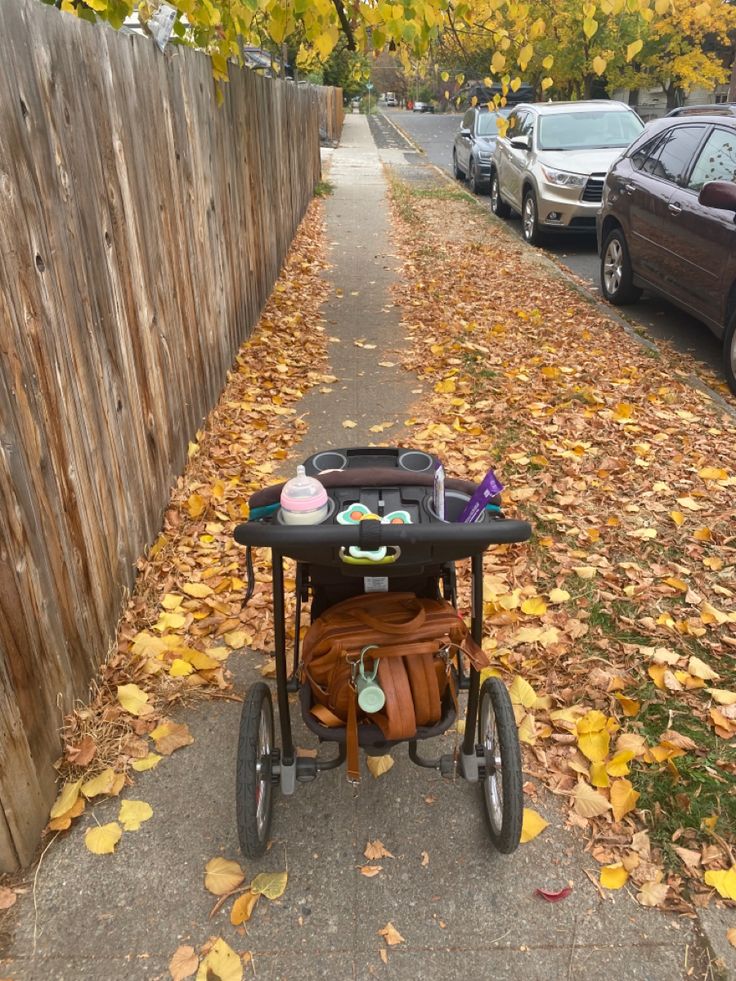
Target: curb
point(604, 309)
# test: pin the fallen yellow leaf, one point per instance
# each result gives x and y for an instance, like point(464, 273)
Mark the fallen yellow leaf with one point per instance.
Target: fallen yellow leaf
point(180, 668)
point(623, 798)
point(521, 692)
point(66, 799)
point(222, 876)
point(197, 589)
point(221, 963)
point(378, 765)
point(614, 876)
point(629, 706)
point(270, 884)
point(723, 881)
point(133, 813)
point(532, 825)
point(101, 784)
point(534, 606)
point(102, 840)
point(559, 596)
point(134, 700)
point(700, 669)
point(243, 907)
point(148, 762)
point(588, 802)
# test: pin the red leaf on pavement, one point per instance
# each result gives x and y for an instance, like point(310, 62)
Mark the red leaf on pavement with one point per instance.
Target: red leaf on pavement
point(554, 897)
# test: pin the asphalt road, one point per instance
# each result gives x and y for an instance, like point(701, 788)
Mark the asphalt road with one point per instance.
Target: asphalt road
point(435, 135)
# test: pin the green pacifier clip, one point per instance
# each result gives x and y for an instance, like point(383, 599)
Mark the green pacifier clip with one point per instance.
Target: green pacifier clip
point(370, 694)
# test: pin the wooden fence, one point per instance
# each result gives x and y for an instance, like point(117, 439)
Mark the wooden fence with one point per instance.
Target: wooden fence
point(141, 230)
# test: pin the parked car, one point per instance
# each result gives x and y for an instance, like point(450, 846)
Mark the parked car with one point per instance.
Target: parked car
point(714, 108)
point(550, 165)
point(423, 107)
point(667, 222)
point(473, 146)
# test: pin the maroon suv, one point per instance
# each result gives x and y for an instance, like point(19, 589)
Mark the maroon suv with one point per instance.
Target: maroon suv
point(668, 222)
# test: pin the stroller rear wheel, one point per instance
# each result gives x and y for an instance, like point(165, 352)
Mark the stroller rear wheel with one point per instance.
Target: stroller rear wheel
point(253, 787)
point(501, 785)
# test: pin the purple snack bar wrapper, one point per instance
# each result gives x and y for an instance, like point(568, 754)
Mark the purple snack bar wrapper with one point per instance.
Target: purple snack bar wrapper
point(486, 490)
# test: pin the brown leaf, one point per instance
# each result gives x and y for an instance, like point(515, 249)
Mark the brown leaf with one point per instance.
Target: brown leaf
point(391, 935)
point(370, 870)
point(184, 962)
point(7, 897)
point(82, 754)
point(376, 849)
point(653, 893)
point(170, 736)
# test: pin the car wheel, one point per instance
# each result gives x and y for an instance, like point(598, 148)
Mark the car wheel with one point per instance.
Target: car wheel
point(617, 281)
point(473, 181)
point(498, 205)
point(530, 219)
point(457, 173)
point(729, 353)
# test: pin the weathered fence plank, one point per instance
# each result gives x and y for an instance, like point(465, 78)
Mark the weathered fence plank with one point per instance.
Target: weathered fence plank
point(141, 230)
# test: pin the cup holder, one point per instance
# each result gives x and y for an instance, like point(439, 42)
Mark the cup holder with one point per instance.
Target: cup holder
point(455, 502)
point(416, 461)
point(329, 460)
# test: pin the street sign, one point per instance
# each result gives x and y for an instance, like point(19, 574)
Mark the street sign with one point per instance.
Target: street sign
point(369, 86)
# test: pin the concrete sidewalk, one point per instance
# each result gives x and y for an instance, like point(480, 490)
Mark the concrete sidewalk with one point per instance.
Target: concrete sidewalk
point(466, 912)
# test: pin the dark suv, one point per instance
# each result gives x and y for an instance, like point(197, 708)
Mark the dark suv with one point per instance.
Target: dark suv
point(667, 222)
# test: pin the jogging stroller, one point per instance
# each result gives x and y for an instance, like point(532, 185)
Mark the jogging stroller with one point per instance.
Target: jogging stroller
point(338, 563)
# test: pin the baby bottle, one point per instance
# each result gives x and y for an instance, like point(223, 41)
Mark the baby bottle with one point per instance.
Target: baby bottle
point(303, 500)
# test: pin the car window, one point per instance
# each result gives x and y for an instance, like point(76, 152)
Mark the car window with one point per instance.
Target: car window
point(468, 118)
point(717, 161)
point(526, 127)
point(594, 129)
point(639, 156)
point(487, 124)
point(516, 121)
point(671, 158)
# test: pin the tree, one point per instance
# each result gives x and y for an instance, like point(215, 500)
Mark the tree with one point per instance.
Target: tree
point(570, 42)
point(687, 47)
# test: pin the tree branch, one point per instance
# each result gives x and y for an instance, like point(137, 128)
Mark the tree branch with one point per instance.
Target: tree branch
point(345, 24)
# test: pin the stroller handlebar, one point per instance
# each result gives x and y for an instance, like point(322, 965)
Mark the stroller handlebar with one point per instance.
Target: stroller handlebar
point(481, 534)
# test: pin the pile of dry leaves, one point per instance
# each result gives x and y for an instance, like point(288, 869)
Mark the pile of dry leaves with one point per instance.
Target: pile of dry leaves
point(616, 627)
point(186, 614)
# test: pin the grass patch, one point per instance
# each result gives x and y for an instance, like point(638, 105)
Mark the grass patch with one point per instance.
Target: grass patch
point(440, 194)
point(681, 793)
point(323, 189)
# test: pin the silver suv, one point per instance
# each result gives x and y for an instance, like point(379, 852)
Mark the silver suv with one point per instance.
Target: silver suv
point(551, 164)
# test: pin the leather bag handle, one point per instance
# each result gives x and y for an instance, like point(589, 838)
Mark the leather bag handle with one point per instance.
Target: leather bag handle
point(384, 627)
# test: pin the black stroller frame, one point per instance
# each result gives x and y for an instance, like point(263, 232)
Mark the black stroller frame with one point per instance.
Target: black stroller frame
point(420, 557)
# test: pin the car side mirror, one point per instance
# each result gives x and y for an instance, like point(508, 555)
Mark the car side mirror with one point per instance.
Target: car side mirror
point(520, 143)
point(719, 194)
point(464, 131)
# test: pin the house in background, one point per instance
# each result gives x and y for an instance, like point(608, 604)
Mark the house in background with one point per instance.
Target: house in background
point(652, 103)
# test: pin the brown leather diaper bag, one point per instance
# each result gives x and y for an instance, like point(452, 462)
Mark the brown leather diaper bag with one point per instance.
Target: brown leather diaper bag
point(414, 641)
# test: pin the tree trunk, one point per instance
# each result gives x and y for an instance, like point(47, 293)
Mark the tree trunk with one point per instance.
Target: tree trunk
point(732, 86)
point(674, 96)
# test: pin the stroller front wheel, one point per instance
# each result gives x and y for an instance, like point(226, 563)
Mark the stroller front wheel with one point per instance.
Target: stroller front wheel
point(254, 790)
point(501, 785)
